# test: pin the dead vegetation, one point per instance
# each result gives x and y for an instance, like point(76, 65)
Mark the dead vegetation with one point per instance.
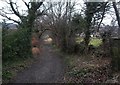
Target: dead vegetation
point(90, 70)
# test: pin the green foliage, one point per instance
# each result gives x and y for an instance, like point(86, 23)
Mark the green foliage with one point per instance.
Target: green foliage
point(79, 22)
point(79, 48)
point(116, 63)
point(16, 45)
point(7, 75)
point(116, 56)
point(16, 48)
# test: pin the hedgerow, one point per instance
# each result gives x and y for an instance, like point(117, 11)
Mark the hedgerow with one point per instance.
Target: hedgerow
point(16, 45)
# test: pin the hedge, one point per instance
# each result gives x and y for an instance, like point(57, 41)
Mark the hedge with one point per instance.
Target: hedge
point(16, 45)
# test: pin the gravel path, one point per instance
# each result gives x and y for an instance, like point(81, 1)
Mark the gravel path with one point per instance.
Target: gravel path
point(47, 68)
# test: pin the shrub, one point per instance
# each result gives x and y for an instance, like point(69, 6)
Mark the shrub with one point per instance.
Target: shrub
point(116, 59)
point(79, 48)
point(16, 45)
point(116, 54)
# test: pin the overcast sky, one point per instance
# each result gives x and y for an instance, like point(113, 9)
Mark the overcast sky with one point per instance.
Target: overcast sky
point(106, 21)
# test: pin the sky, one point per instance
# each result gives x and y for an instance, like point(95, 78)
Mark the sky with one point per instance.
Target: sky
point(19, 3)
point(106, 20)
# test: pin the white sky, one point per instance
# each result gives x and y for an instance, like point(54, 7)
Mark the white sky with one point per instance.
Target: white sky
point(21, 5)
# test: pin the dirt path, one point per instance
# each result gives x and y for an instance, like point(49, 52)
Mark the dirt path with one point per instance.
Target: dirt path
point(47, 68)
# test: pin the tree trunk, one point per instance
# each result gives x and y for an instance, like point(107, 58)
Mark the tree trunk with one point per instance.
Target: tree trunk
point(117, 13)
point(87, 39)
point(117, 16)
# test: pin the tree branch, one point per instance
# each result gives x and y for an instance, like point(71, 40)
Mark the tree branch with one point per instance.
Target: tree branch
point(3, 15)
point(40, 34)
point(2, 10)
point(27, 5)
point(13, 9)
point(35, 5)
point(102, 16)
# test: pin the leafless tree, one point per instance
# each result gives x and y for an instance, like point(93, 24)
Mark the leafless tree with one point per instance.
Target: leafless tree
point(27, 19)
point(58, 20)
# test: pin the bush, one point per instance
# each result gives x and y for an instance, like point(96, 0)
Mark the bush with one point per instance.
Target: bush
point(116, 54)
point(116, 59)
point(16, 45)
point(79, 48)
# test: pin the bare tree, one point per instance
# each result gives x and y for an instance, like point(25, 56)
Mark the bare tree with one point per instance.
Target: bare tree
point(58, 20)
point(25, 20)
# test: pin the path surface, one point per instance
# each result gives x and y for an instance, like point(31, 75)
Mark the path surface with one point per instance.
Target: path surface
point(47, 68)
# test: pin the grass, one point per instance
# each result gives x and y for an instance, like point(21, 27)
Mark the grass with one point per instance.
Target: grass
point(93, 41)
point(79, 39)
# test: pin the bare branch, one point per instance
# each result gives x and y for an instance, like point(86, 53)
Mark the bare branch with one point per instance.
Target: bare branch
point(26, 4)
point(6, 12)
point(35, 5)
point(13, 9)
point(43, 12)
point(102, 15)
point(40, 34)
point(3, 15)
